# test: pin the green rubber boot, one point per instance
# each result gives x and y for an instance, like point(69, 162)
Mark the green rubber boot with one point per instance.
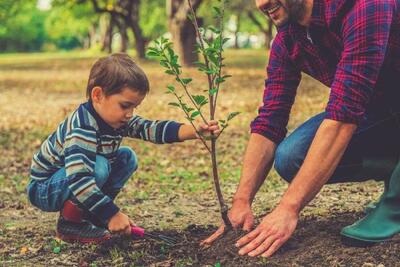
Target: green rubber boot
point(378, 168)
point(371, 206)
point(381, 223)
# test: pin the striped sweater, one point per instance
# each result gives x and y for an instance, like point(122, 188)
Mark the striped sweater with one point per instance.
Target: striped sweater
point(77, 141)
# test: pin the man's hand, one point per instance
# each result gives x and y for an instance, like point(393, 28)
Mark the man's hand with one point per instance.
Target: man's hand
point(120, 223)
point(240, 215)
point(274, 230)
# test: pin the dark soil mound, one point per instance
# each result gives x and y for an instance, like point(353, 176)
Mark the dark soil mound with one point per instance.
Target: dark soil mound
point(316, 242)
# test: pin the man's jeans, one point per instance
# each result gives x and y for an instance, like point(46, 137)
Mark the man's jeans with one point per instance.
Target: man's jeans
point(372, 153)
point(50, 194)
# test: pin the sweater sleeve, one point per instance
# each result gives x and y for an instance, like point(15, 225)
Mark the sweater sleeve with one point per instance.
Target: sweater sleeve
point(158, 132)
point(80, 149)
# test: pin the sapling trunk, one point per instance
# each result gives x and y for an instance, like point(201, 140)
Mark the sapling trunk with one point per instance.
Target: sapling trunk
point(212, 67)
point(212, 101)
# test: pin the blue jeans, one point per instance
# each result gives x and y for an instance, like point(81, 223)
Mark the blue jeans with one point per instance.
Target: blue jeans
point(50, 194)
point(372, 153)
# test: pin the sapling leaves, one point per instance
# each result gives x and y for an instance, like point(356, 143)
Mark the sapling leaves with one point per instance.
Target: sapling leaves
point(211, 65)
point(232, 115)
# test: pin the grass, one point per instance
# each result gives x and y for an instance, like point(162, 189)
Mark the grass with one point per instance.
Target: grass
point(173, 186)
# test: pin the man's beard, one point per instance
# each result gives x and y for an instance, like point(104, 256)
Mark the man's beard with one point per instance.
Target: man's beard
point(296, 10)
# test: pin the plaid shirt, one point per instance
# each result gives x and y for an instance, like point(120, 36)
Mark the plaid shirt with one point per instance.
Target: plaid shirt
point(352, 46)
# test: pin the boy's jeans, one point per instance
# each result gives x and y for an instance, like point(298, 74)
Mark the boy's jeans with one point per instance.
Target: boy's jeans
point(50, 195)
point(372, 153)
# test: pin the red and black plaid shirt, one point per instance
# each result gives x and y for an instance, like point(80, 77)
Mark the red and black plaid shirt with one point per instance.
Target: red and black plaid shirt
point(352, 46)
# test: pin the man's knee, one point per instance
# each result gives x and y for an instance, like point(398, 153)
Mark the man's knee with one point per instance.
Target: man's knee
point(288, 159)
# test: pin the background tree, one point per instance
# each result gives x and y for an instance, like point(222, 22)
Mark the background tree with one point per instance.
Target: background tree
point(21, 26)
point(77, 28)
point(181, 28)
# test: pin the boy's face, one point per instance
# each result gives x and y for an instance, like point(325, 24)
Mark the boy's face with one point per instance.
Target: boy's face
point(117, 109)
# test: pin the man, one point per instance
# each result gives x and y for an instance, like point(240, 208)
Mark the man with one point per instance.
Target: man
point(352, 46)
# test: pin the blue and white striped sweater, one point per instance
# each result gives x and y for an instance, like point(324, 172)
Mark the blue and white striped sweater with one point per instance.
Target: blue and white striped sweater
point(77, 141)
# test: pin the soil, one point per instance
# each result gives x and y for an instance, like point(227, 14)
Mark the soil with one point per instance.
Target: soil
point(316, 242)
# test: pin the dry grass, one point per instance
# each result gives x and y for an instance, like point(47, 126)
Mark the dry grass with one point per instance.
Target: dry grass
point(173, 186)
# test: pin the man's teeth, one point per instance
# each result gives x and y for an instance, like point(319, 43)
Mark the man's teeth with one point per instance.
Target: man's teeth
point(273, 9)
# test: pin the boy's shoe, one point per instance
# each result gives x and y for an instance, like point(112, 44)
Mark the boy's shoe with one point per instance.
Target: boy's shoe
point(71, 227)
point(82, 232)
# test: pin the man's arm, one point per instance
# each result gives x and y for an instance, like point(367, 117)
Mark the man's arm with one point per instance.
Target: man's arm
point(331, 141)
point(276, 228)
point(257, 163)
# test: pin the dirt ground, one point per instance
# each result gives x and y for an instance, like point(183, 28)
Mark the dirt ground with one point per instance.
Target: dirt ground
point(172, 192)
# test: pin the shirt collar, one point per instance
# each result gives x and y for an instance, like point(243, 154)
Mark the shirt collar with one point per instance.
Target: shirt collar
point(104, 127)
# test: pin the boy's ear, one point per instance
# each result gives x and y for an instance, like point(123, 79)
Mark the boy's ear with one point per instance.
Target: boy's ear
point(97, 94)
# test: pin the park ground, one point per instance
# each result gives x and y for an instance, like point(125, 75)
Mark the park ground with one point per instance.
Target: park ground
point(172, 192)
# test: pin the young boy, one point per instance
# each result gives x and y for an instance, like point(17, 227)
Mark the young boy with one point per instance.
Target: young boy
point(80, 168)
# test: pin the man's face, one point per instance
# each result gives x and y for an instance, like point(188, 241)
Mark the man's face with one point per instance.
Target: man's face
point(282, 11)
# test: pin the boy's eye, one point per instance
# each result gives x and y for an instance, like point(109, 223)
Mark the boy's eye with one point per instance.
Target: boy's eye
point(124, 106)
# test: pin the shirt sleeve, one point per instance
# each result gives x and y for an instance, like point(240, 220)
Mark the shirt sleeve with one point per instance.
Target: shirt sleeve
point(80, 149)
point(279, 93)
point(366, 31)
point(158, 132)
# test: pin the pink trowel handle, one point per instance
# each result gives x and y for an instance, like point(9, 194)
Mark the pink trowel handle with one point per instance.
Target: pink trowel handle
point(137, 231)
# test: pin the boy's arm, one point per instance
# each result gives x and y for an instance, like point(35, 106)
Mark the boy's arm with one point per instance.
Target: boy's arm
point(80, 149)
point(158, 132)
point(187, 132)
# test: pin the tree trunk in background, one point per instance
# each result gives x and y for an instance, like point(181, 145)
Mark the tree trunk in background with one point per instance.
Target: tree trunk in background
point(124, 35)
point(107, 41)
point(132, 18)
point(128, 11)
point(268, 34)
point(267, 31)
point(237, 31)
point(182, 30)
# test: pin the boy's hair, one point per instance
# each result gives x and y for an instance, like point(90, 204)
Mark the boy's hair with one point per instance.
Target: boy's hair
point(114, 72)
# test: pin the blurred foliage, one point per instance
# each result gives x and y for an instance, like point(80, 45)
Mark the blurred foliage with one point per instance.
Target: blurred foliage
point(21, 26)
point(70, 24)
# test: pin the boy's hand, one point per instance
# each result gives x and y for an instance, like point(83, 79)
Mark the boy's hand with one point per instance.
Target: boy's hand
point(120, 223)
point(207, 130)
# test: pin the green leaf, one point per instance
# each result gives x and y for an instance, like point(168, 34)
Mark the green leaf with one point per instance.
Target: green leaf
point(214, 30)
point(170, 72)
point(186, 81)
point(174, 104)
point(225, 40)
point(219, 80)
point(217, 10)
point(232, 115)
point(200, 100)
point(164, 63)
point(152, 54)
point(171, 88)
point(213, 91)
point(195, 114)
point(57, 250)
